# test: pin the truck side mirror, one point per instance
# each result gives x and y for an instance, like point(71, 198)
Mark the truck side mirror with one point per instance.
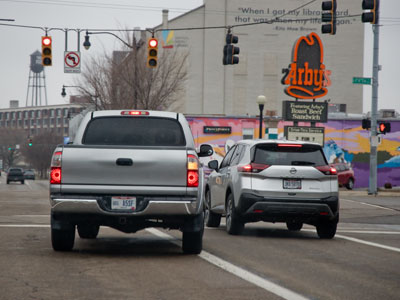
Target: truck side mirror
point(205, 150)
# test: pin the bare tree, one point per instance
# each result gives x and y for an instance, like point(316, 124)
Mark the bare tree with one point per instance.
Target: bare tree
point(10, 143)
point(124, 81)
point(39, 154)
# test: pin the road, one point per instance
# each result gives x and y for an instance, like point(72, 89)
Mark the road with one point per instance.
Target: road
point(266, 262)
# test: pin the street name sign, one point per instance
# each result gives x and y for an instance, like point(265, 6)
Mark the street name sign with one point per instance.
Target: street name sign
point(361, 80)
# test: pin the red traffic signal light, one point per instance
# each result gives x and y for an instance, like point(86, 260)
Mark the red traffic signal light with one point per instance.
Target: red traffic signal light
point(152, 52)
point(47, 51)
point(384, 127)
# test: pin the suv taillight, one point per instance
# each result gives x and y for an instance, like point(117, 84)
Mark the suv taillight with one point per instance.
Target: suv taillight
point(192, 171)
point(327, 170)
point(55, 173)
point(252, 168)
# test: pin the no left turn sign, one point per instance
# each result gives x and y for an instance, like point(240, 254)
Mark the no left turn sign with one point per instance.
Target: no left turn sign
point(72, 62)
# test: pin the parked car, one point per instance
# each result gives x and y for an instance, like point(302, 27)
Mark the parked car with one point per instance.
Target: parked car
point(273, 181)
point(15, 174)
point(345, 175)
point(29, 174)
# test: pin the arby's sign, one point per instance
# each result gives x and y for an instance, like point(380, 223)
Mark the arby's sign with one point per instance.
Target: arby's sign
point(306, 76)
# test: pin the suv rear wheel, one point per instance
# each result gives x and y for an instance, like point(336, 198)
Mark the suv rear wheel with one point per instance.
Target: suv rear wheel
point(327, 229)
point(192, 242)
point(210, 219)
point(234, 225)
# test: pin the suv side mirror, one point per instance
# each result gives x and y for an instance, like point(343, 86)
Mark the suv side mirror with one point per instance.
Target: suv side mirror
point(213, 164)
point(205, 150)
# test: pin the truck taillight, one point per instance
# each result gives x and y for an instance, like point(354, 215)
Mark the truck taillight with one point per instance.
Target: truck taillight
point(192, 171)
point(55, 173)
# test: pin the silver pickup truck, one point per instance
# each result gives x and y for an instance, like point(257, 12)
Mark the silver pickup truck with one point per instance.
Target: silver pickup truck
point(128, 170)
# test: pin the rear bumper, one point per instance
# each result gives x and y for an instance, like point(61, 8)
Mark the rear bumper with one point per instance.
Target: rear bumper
point(255, 208)
point(149, 206)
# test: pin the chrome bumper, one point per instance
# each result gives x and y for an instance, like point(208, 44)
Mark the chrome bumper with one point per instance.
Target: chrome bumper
point(154, 207)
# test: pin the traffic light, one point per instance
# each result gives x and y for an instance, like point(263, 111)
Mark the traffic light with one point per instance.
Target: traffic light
point(231, 51)
point(46, 51)
point(30, 142)
point(384, 127)
point(371, 16)
point(329, 15)
point(366, 124)
point(152, 52)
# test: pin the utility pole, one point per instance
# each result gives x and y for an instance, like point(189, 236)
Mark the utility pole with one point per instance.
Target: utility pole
point(374, 107)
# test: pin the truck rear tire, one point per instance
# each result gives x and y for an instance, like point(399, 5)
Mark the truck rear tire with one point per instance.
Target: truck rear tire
point(89, 231)
point(192, 242)
point(63, 240)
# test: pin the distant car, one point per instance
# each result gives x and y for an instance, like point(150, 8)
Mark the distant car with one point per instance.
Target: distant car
point(29, 174)
point(273, 181)
point(345, 175)
point(15, 174)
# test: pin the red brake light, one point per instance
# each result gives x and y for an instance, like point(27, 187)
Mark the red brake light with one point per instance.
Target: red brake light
point(134, 113)
point(327, 170)
point(290, 145)
point(252, 168)
point(55, 175)
point(192, 171)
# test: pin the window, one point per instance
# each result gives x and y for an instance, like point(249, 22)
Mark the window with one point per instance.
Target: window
point(19, 115)
point(33, 122)
point(1, 115)
point(13, 115)
point(45, 122)
point(65, 112)
point(25, 114)
point(20, 123)
point(52, 122)
point(227, 158)
point(272, 154)
point(51, 112)
point(65, 122)
point(38, 114)
point(237, 155)
point(58, 112)
point(7, 115)
point(248, 133)
point(26, 123)
point(134, 131)
point(58, 120)
point(32, 113)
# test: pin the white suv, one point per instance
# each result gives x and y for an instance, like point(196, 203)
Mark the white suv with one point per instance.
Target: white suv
point(273, 181)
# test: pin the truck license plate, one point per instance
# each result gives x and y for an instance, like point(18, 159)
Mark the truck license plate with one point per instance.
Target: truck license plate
point(123, 203)
point(292, 184)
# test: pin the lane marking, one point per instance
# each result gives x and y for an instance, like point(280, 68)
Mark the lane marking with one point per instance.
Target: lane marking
point(369, 231)
point(362, 241)
point(238, 271)
point(24, 225)
point(372, 205)
point(368, 243)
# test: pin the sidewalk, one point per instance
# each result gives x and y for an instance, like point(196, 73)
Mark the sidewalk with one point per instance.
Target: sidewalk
point(394, 192)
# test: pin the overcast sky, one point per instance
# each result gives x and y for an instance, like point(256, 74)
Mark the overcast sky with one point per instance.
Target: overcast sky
point(18, 43)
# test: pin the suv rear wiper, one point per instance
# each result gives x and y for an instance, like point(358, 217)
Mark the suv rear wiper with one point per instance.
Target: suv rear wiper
point(302, 163)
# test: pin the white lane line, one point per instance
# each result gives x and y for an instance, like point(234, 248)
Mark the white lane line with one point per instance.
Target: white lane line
point(372, 205)
point(362, 241)
point(369, 231)
point(368, 243)
point(239, 272)
point(24, 225)
point(28, 184)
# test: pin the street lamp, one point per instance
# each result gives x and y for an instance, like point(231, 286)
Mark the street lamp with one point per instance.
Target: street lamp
point(261, 101)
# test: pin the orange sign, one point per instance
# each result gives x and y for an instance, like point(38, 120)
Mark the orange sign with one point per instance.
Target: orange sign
point(307, 77)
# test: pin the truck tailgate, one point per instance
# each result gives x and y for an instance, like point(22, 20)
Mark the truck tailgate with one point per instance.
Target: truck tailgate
point(124, 166)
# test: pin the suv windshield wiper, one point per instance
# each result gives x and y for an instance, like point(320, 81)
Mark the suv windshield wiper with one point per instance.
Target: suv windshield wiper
point(302, 163)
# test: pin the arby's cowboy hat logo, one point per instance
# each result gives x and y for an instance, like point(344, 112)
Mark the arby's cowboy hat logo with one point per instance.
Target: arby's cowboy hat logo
point(306, 76)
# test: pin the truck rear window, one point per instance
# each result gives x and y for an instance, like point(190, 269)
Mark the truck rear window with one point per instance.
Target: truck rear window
point(305, 155)
point(134, 131)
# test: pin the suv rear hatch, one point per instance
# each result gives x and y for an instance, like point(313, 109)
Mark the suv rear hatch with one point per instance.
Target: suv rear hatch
point(295, 170)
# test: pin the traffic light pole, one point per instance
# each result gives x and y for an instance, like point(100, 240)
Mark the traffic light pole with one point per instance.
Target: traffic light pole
point(374, 113)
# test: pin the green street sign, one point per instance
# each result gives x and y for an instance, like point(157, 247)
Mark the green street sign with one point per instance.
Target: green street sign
point(361, 80)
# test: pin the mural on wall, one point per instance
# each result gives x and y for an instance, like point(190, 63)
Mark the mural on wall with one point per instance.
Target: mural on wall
point(345, 141)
